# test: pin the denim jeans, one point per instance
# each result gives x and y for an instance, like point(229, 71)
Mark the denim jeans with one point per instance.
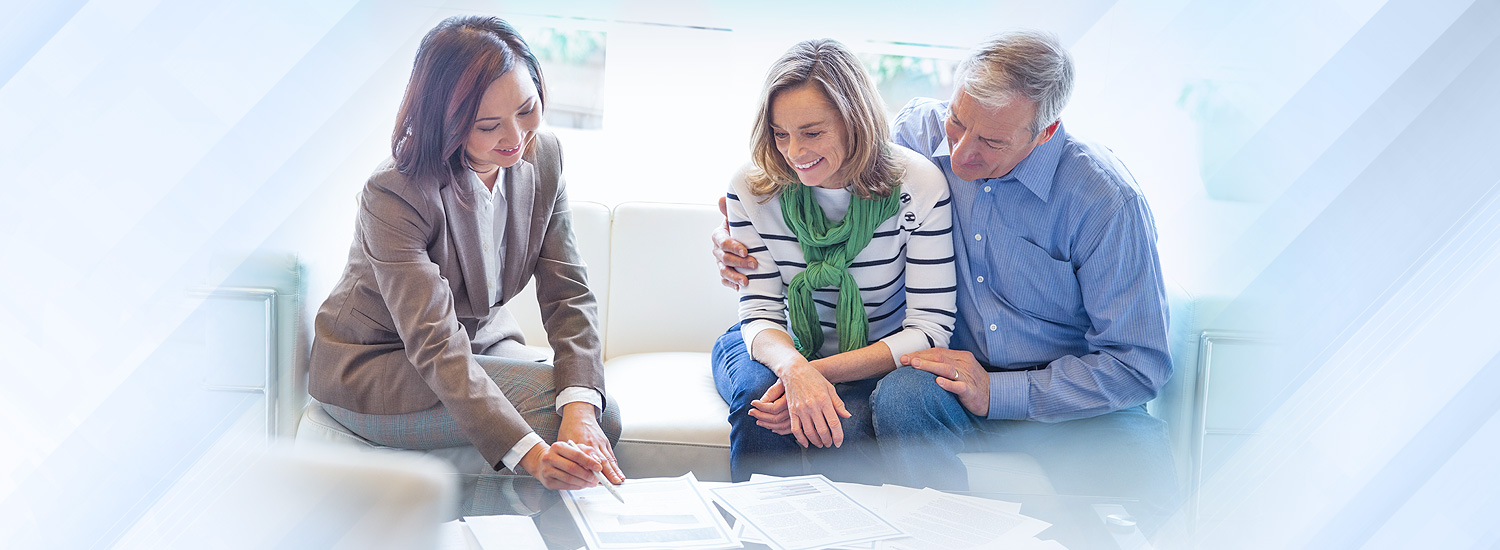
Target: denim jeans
point(921, 428)
point(756, 450)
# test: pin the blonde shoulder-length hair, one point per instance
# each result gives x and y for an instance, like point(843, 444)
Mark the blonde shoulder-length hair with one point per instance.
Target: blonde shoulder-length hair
point(870, 167)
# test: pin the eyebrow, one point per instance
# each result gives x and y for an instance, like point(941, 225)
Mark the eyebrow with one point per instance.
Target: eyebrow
point(991, 141)
point(802, 127)
point(529, 100)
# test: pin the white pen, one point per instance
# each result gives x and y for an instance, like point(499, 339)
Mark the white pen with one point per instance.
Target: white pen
point(600, 476)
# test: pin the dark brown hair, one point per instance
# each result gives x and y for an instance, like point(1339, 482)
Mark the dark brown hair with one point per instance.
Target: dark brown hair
point(832, 69)
point(456, 62)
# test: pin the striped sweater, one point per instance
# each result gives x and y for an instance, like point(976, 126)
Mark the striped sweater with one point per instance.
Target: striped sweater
point(905, 275)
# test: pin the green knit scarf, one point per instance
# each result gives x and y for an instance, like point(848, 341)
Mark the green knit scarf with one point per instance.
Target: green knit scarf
point(829, 248)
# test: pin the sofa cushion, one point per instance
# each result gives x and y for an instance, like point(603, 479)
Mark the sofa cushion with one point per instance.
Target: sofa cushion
point(673, 419)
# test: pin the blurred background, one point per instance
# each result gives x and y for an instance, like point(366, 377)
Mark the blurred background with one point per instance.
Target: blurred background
point(1328, 167)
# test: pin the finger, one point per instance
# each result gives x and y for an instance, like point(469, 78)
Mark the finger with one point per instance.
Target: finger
point(954, 387)
point(579, 455)
point(778, 427)
point(835, 428)
point(819, 422)
point(729, 277)
point(724, 209)
point(613, 472)
point(769, 407)
point(843, 411)
point(774, 392)
point(567, 473)
point(796, 428)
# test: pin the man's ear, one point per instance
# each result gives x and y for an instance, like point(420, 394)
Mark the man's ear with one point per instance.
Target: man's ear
point(1048, 132)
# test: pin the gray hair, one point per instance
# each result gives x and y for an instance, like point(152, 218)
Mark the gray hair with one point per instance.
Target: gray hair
point(1031, 63)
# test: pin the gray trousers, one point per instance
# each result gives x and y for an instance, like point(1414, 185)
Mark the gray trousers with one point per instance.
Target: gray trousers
point(528, 384)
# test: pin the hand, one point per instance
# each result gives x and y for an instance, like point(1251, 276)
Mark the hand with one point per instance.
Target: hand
point(957, 372)
point(770, 410)
point(814, 407)
point(730, 254)
point(561, 466)
point(580, 425)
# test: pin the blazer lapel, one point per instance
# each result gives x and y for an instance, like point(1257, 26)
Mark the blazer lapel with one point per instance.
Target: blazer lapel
point(464, 226)
point(520, 196)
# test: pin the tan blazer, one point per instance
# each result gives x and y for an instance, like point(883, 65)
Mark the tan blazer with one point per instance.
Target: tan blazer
point(399, 332)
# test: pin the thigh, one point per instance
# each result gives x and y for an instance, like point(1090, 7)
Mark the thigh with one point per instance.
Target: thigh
point(424, 430)
point(739, 378)
point(856, 398)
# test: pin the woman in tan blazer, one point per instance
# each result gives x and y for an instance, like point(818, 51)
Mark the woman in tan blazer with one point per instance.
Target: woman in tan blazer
point(415, 348)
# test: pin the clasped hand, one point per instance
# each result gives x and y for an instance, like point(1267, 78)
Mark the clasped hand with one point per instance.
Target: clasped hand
point(805, 404)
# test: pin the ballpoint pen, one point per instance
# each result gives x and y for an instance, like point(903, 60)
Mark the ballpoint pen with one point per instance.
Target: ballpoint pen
point(600, 476)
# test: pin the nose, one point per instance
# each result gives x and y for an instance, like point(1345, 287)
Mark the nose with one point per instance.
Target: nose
point(510, 132)
point(962, 148)
point(795, 147)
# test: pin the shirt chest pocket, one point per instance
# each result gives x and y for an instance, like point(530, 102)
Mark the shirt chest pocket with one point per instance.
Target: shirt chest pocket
point(1039, 284)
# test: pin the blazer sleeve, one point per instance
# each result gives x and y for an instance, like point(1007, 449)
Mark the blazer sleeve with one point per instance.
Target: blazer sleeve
point(398, 222)
point(569, 311)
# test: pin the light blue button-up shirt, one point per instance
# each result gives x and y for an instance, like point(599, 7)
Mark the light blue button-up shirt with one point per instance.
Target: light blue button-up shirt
point(1057, 272)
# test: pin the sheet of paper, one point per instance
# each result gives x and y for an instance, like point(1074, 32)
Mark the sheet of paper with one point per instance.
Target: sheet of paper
point(506, 532)
point(666, 513)
point(798, 513)
point(941, 521)
point(454, 535)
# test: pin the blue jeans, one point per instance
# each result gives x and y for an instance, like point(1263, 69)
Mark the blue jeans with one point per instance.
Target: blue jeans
point(921, 428)
point(756, 450)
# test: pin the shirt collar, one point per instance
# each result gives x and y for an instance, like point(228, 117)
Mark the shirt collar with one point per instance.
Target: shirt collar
point(1036, 170)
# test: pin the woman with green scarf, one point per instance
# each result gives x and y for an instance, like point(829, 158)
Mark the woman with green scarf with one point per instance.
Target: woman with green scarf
point(851, 235)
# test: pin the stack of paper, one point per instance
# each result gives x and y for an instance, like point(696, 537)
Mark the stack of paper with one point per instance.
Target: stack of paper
point(930, 519)
point(801, 513)
point(795, 513)
point(664, 513)
point(490, 533)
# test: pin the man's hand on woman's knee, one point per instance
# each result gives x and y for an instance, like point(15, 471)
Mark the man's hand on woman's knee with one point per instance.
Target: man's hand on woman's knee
point(959, 373)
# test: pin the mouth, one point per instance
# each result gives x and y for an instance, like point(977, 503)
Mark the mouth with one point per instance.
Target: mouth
point(509, 152)
point(808, 166)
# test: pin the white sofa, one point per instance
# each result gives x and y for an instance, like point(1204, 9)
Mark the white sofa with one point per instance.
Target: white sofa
point(662, 308)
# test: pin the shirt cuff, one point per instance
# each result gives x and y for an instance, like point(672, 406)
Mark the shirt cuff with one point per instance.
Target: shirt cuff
point(574, 394)
point(907, 340)
point(750, 330)
point(1010, 395)
point(513, 458)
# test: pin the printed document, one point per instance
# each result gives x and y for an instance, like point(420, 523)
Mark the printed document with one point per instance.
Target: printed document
point(666, 513)
point(804, 512)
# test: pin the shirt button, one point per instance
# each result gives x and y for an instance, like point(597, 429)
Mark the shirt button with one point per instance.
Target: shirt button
point(979, 279)
point(993, 327)
point(978, 237)
point(986, 189)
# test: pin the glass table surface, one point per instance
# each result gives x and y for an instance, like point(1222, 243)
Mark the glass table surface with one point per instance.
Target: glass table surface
point(1079, 522)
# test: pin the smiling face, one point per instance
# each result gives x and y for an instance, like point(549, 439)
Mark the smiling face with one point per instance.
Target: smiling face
point(988, 142)
point(508, 116)
point(810, 135)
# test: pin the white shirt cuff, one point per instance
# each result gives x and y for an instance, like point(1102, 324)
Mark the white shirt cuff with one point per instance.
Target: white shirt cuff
point(574, 394)
point(513, 458)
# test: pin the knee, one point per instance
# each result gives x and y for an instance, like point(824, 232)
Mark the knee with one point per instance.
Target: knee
point(910, 399)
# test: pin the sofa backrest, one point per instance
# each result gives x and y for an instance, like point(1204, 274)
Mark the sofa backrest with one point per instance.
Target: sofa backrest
point(673, 300)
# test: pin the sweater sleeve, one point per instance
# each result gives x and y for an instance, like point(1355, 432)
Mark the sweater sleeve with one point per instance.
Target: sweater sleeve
point(763, 299)
point(931, 290)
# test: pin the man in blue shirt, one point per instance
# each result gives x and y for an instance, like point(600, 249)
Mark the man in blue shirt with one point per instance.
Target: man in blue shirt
point(1061, 328)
